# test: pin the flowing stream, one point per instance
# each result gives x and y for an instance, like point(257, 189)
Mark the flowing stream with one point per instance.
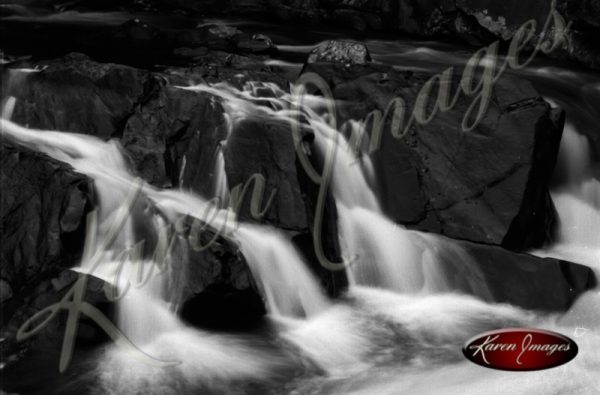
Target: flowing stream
point(400, 326)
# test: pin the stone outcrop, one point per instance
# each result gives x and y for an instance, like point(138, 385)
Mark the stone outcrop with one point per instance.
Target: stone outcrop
point(217, 289)
point(265, 147)
point(75, 94)
point(488, 185)
point(43, 209)
point(171, 135)
point(523, 280)
point(343, 52)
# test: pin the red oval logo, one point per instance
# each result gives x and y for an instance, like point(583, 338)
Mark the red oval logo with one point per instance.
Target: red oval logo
point(520, 349)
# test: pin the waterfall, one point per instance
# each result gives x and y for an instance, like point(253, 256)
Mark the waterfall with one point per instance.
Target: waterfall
point(577, 202)
point(289, 287)
point(383, 254)
point(220, 187)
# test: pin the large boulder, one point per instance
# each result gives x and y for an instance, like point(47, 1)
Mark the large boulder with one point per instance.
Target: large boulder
point(524, 280)
point(498, 275)
point(488, 185)
point(265, 147)
point(173, 138)
point(215, 284)
point(43, 208)
point(76, 94)
point(344, 52)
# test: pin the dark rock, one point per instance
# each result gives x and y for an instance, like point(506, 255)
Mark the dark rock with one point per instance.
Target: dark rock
point(334, 282)
point(351, 18)
point(265, 146)
point(173, 138)
point(583, 11)
point(221, 34)
point(489, 185)
point(136, 30)
point(477, 22)
point(42, 351)
point(214, 36)
point(76, 94)
point(5, 291)
point(195, 53)
point(43, 210)
point(159, 126)
point(258, 43)
point(215, 284)
point(195, 6)
point(223, 307)
point(527, 281)
point(503, 18)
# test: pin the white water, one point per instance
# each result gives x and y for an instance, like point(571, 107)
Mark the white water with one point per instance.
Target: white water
point(382, 253)
point(290, 289)
point(144, 314)
point(577, 202)
point(405, 338)
point(220, 186)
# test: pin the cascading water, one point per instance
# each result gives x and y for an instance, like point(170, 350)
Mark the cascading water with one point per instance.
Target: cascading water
point(289, 288)
point(577, 202)
point(220, 187)
point(402, 339)
point(373, 242)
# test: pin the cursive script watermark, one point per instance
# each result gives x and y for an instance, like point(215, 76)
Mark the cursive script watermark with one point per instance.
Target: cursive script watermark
point(527, 345)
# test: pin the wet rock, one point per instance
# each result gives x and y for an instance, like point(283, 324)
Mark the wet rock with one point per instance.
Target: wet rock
point(216, 286)
point(173, 138)
point(259, 43)
point(351, 18)
point(137, 30)
point(76, 94)
point(583, 11)
point(489, 185)
point(195, 53)
point(5, 291)
point(265, 147)
point(223, 307)
point(527, 281)
point(42, 351)
point(195, 6)
point(214, 36)
point(478, 22)
point(340, 52)
point(43, 211)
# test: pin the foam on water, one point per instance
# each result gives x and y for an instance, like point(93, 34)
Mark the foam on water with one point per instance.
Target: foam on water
point(398, 329)
point(577, 202)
